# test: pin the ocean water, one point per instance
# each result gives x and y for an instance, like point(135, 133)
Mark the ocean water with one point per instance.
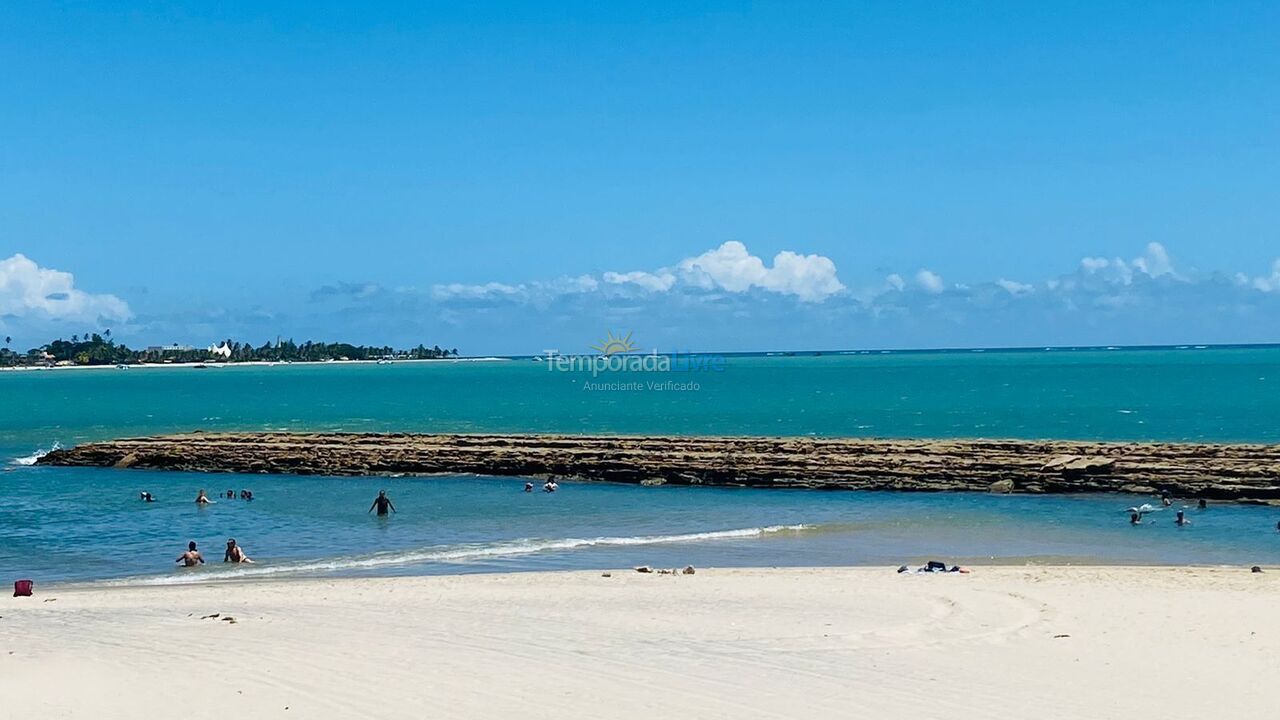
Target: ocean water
point(65, 524)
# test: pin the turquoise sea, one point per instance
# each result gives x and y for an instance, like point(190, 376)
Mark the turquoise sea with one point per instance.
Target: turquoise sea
point(61, 524)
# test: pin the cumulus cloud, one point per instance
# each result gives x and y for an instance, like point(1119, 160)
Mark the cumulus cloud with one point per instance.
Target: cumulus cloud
point(930, 281)
point(730, 267)
point(1153, 263)
point(653, 282)
point(1267, 283)
point(486, 291)
point(1013, 287)
point(28, 291)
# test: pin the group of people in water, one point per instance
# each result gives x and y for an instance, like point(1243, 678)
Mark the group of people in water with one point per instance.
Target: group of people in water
point(202, 498)
point(235, 554)
point(1180, 517)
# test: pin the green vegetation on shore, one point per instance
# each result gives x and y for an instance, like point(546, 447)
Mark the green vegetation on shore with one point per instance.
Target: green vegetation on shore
point(100, 349)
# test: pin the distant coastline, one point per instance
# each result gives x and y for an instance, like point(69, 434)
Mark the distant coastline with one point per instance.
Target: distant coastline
point(246, 363)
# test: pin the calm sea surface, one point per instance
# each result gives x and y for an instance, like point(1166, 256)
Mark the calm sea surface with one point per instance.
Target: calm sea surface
point(60, 524)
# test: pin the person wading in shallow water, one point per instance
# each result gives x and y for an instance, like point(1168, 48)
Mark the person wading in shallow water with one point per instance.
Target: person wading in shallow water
point(191, 557)
point(235, 553)
point(382, 503)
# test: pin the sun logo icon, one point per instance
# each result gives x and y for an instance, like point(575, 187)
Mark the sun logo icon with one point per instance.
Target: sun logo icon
point(615, 345)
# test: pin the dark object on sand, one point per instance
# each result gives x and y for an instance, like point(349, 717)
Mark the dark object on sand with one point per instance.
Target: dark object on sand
point(933, 566)
point(23, 588)
point(688, 570)
point(1255, 568)
point(644, 569)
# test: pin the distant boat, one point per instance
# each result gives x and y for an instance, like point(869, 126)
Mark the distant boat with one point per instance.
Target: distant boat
point(122, 366)
point(200, 366)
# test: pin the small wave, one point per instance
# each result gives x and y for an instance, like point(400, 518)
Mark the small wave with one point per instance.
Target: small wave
point(33, 457)
point(451, 554)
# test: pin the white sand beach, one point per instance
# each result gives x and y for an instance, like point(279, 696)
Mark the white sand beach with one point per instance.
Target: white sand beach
point(1002, 642)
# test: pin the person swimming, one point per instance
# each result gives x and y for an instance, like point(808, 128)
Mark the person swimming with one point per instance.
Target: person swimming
point(191, 557)
point(246, 494)
point(1181, 519)
point(231, 494)
point(145, 496)
point(202, 499)
point(1165, 500)
point(550, 486)
point(235, 553)
point(1202, 505)
point(1135, 518)
point(528, 487)
point(382, 503)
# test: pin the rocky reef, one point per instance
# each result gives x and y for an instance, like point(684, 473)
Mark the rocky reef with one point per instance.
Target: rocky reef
point(1223, 472)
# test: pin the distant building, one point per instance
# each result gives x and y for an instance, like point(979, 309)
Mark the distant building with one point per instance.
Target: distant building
point(174, 348)
point(221, 350)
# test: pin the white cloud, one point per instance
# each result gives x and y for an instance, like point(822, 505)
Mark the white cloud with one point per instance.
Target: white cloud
point(653, 282)
point(930, 281)
point(895, 281)
point(1153, 263)
point(30, 291)
point(1013, 287)
point(1267, 283)
point(811, 278)
point(473, 292)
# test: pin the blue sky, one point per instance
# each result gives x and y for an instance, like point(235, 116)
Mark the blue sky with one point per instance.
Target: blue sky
point(515, 176)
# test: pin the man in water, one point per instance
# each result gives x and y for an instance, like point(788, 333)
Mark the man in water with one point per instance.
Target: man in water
point(231, 494)
point(1202, 504)
point(202, 499)
point(528, 487)
point(235, 554)
point(382, 503)
point(1181, 519)
point(550, 487)
point(1135, 518)
point(191, 557)
point(145, 496)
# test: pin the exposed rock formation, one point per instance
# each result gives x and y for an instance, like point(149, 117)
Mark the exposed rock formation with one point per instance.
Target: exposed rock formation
point(1228, 472)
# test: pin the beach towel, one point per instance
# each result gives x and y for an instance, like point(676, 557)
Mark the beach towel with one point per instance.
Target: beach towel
point(22, 588)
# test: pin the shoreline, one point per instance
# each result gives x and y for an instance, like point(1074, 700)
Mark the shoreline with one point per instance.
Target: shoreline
point(137, 583)
point(1235, 472)
point(211, 364)
point(745, 643)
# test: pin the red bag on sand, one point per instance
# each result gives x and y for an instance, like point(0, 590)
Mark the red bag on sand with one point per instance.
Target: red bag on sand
point(22, 588)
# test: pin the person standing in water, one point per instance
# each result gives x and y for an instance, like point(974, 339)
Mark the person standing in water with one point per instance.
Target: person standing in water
point(382, 503)
point(202, 499)
point(235, 554)
point(1181, 519)
point(191, 557)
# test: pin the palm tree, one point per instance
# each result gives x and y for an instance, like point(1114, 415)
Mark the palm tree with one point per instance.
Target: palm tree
point(75, 338)
point(106, 333)
point(7, 340)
